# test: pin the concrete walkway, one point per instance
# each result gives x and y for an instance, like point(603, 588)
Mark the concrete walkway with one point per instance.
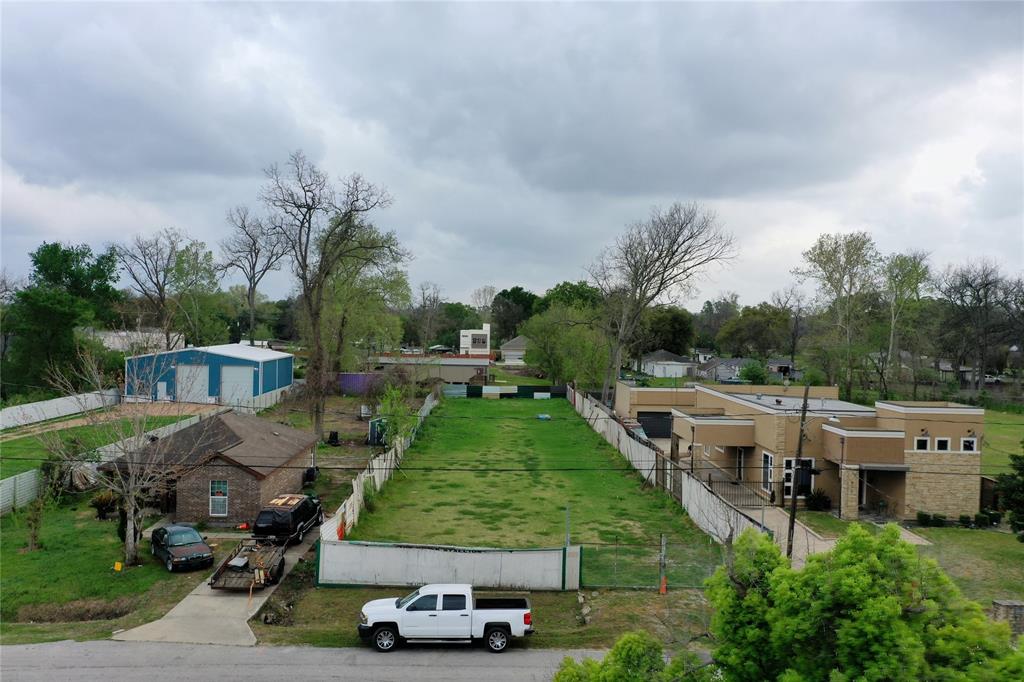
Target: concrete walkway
point(805, 540)
point(207, 616)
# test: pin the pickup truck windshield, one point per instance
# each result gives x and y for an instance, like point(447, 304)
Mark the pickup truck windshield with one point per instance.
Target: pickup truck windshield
point(183, 537)
point(399, 603)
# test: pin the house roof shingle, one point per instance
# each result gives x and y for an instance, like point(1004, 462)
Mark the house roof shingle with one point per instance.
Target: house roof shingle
point(255, 444)
point(663, 355)
point(518, 343)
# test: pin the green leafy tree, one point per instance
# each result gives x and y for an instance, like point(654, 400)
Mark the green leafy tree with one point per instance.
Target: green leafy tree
point(713, 316)
point(42, 321)
point(580, 294)
point(75, 271)
point(454, 318)
point(869, 609)
point(509, 310)
point(566, 345)
point(845, 268)
point(759, 330)
point(1010, 487)
point(400, 419)
point(754, 372)
point(663, 327)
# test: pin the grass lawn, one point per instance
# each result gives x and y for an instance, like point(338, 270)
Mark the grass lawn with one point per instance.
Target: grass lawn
point(618, 521)
point(70, 583)
point(1003, 433)
point(23, 454)
point(986, 564)
point(328, 616)
point(828, 526)
point(498, 375)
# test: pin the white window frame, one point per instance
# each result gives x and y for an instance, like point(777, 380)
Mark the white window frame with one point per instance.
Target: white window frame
point(224, 497)
point(767, 473)
point(927, 443)
point(739, 463)
point(792, 475)
point(949, 444)
point(974, 444)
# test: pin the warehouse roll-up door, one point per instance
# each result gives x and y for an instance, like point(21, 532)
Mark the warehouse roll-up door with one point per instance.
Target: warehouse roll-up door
point(236, 385)
point(192, 383)
point(656, 424)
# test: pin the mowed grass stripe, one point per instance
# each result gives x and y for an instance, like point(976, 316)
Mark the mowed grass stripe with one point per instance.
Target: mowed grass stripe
point(518, 509)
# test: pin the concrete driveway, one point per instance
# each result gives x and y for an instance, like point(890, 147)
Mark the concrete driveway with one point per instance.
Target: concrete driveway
point(207, 616)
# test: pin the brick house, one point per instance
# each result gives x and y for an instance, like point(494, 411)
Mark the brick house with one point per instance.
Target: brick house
point(235, 464)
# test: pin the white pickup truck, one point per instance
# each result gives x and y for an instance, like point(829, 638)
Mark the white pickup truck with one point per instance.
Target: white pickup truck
point(445, 613)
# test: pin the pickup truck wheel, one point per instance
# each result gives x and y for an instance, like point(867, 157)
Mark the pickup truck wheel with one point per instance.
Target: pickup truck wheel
point(496, 640)
point(384, 638)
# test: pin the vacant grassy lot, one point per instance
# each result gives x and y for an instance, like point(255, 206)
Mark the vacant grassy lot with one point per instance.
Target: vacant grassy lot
point(1003, 433)
point(488, 473)
point(70, 583)
point(986, 564)
point(498, 375)
point(22, 454)
point(328, 616)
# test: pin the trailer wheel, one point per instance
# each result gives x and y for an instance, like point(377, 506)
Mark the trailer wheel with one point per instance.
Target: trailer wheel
point(385, 638)
point(275, 577)
point(496, 640)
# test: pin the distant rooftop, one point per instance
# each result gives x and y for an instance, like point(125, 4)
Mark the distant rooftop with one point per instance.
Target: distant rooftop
point(787, 403)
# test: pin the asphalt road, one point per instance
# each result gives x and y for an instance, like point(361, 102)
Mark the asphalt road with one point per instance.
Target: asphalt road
point(159, 662)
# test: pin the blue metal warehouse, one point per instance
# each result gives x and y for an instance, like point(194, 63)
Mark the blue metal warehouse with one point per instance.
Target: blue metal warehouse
point(229, 374)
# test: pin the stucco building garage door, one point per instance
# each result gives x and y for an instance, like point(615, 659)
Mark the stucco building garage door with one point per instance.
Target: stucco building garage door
point(192, 383)
point(235, 384)
point(656, 424)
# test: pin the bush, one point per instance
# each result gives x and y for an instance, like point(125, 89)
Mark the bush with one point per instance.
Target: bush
point(818, 500)
point(996, 517)
point(965, 520)
point(924, 519)
point(939, 520)
point(105, 503)
point(981, 520)
point(636, 657)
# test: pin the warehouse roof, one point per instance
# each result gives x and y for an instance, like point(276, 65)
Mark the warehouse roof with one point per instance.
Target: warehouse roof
point(230, 350)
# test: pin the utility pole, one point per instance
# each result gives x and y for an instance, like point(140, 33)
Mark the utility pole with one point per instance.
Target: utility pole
point(793, 475)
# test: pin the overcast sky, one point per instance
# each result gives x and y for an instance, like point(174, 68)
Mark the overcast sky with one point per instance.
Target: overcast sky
point(517, 140)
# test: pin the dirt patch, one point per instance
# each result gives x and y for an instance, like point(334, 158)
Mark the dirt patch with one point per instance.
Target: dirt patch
point(113, 413)
point(79, 610)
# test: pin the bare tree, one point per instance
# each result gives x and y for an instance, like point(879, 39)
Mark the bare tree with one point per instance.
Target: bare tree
point(845, 267)
point(481, 299)
point(794, 303)
point(428, 311)
point(254, 249)
point(135, 468)
point(653, 261)
point(972, 292)
point(321, 226)
point(154, 269)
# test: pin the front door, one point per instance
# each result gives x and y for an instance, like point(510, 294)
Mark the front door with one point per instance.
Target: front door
point(767, 462)
point(453, 620)
point(420, 618)
point(787, 477)
point(161, 390)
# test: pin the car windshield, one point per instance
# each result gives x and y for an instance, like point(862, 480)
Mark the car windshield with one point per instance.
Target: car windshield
point(399, 603)
point(189, 536)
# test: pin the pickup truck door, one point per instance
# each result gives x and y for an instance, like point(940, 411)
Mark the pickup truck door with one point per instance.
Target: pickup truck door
point(453, 620)
point(420, 618)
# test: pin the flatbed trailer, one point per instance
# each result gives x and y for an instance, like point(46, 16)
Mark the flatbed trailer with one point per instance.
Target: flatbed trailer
point(252, 565)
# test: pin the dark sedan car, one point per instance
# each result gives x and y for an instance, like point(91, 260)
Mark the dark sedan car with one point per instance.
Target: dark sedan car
point(180, 547)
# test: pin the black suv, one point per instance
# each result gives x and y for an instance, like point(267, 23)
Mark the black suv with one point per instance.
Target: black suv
point(287, 518)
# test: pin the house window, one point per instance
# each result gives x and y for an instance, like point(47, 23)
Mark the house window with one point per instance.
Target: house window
point(218, 498)
point(921, 443)
point(942, 445)
point(739, 464)
point(804, 477)
point(968, 444)
point(766, 470)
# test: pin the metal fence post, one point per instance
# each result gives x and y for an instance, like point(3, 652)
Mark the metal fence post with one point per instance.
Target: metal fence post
point(663, 561)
